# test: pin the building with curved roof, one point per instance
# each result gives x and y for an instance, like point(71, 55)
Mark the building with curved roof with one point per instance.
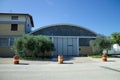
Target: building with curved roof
point(69, 40)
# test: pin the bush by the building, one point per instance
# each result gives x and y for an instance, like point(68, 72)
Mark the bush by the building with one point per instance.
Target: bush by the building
point(99, 44)
point(33, 46)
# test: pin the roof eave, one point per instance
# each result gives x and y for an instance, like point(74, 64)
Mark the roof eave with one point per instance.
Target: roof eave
point(31, 19)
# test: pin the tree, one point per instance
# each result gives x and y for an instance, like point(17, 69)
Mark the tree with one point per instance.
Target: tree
point(43, 45)
point(18, 45)
point(115, 37)
point(105, 43)
point(100, 43)
point(33, 44)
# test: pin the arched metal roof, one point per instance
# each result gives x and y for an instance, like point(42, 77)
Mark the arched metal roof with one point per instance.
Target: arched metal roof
point(78, 28)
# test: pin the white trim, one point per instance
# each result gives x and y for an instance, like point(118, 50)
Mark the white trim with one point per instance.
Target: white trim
point(8, 41)
point(73, 36)
point(52, 38)
point(77, 46)
point(12, 22)
point(52, 42)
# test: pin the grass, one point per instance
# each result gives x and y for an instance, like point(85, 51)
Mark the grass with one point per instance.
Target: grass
point(96, 56)
point(35, 58)
point(100, 56)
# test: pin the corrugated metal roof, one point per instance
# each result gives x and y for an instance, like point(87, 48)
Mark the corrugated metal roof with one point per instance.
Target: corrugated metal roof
point(63, 25)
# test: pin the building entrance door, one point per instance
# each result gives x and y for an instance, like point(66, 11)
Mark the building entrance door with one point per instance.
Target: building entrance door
point(66, 46)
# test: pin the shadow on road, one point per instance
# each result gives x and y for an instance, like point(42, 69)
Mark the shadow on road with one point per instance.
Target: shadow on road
point(110, 60)
point(105, 67)
point(65, 58)
point(23, 64)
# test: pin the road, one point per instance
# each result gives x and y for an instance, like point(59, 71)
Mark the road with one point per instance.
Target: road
point(68, 71)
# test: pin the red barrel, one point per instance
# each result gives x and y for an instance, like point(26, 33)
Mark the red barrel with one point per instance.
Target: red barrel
point(104, 57)
point(16, 59)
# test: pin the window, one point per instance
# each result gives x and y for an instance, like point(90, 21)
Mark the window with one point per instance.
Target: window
point(14, 17)
point(85, 41)
point(3, 41)
point(14, 27)
point(28, 25)
point(50, 38)
point(11, 41)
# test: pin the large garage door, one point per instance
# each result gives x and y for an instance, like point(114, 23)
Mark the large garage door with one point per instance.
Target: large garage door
point(65, 46)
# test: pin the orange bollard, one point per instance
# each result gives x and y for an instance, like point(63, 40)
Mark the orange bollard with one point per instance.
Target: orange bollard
point(16, 59)
point(60, 59)
point(104, 57)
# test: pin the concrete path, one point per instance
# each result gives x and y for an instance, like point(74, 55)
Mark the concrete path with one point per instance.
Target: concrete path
point(95, 70)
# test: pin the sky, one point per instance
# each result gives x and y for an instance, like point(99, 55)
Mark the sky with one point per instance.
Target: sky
point(100, 16)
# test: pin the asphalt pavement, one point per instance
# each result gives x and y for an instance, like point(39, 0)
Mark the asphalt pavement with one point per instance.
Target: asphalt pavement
point(96, 70)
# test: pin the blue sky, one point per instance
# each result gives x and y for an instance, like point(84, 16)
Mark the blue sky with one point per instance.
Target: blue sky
point(100, 16)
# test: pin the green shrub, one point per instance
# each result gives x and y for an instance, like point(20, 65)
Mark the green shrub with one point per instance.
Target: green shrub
point(115, 37)
point(99, 44)
point(33, 45)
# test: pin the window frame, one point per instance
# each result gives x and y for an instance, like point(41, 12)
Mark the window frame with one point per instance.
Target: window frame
point(14, 27)
point(85, 41)
point(14, 17)
point(4, 41)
